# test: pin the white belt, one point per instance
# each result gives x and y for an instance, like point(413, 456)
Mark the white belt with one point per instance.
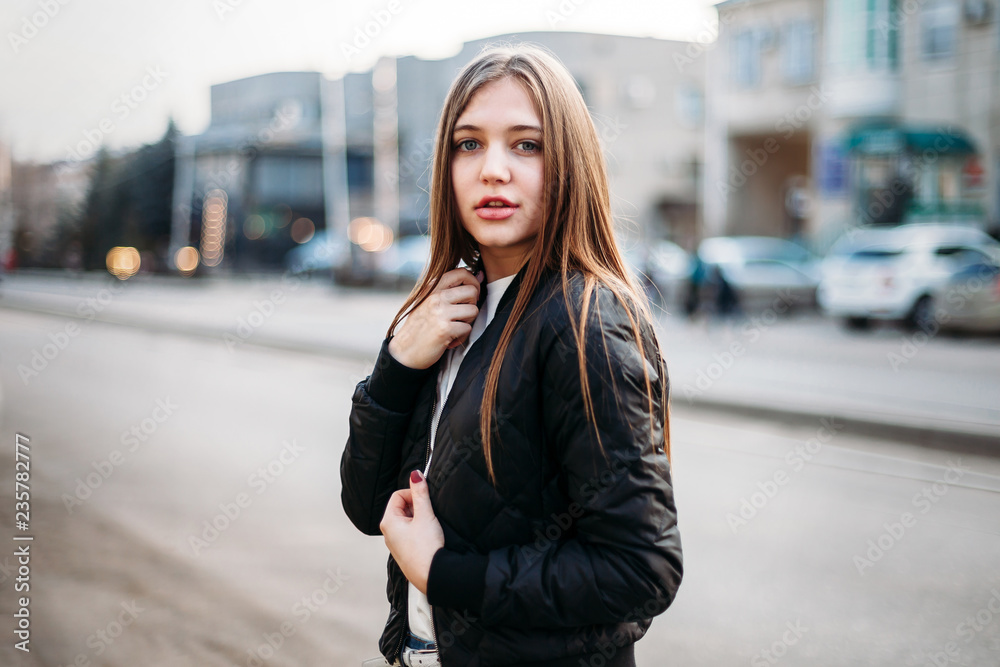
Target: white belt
point(414, 658)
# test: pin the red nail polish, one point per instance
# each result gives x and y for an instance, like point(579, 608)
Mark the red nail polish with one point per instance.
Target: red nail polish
point(416, 477)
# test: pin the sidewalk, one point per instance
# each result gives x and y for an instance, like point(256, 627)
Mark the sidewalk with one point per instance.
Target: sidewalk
point(941, 392)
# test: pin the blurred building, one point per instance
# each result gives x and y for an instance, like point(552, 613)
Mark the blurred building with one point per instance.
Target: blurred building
point(645, 96)
point(279, 148)
point(6, 207)
point(825, 114)
point(40, 199)
point(292, 146)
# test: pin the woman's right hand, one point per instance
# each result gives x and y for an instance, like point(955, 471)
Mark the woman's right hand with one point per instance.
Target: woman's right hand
point(443, 321)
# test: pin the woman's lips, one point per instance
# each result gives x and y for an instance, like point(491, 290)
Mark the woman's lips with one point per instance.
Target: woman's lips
point(495, 212)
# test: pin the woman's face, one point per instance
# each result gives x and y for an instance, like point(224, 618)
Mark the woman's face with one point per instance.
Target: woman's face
point(497, 174)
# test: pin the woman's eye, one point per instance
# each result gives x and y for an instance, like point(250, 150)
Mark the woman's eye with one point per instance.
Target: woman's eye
point(529, 146)
point(467, 145)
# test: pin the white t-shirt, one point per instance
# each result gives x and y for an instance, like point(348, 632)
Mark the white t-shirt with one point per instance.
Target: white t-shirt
point(419, 611)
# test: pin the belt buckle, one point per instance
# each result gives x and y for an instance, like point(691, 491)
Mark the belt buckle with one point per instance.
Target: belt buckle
point(413, 657)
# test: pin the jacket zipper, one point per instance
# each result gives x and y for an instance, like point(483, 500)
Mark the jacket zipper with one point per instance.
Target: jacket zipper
point(406, 605)
point(427, 458)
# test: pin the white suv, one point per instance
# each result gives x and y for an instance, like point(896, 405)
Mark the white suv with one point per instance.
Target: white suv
point(891, 273)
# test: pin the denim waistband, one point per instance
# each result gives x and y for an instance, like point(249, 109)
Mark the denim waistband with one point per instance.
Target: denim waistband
point(414, 642)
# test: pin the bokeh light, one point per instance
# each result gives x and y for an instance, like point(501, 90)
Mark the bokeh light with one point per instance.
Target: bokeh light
point(370, 234)
point(186, 260)
point(303, 229)
point(213, 227)
point(122, 262)
point(254, 227)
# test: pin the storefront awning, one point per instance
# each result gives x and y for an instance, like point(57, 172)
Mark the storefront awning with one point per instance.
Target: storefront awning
point(890, 140)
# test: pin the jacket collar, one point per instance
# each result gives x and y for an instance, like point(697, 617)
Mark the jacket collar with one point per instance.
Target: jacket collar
point(512, 289)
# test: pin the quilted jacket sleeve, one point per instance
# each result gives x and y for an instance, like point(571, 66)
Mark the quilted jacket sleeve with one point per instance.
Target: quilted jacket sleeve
point(615, 555)
point(381, 408)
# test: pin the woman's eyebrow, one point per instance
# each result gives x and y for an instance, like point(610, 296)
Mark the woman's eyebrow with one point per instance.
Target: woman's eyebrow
point(513, 128)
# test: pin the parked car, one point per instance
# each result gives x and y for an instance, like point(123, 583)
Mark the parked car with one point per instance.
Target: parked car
point(970, 299)
point(323, 252)
point(404, 262)
point(893, 273)
point(752, 273)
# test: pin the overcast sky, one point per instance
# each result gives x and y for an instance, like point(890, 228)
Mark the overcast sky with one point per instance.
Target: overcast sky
point(64, 68)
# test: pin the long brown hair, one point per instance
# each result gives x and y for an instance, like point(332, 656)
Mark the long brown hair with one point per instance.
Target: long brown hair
point(576, 230)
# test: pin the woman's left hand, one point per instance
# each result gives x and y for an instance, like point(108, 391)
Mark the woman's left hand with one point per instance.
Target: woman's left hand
point(412, 532)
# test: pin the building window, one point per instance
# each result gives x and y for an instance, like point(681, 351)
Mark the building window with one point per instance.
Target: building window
point(938, 29)
point(746, 58)
point(863, 35)
point(798, 52)
point(292, 180)
point(689, 105)
point(882, 34)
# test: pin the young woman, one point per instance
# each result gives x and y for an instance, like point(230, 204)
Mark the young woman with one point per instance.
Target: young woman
point(512, 442)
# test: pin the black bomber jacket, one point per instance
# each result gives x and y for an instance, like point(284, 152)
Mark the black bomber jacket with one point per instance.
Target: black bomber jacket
point(576, 548)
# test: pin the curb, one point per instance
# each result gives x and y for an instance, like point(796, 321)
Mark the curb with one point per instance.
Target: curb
point(981, 442)
point(963, 438)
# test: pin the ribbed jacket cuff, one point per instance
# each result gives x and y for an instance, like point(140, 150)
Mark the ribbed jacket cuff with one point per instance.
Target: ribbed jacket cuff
point(457, 581)
point(393, 385)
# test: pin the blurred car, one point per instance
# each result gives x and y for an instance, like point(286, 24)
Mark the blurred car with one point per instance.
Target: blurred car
point(893, 273)
point(752, 273)
point(405, 260)
point(970, 299)
point(323, 252)
point(669, 268)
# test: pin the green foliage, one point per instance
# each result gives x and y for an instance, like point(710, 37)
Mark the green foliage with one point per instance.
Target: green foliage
point(128, 203)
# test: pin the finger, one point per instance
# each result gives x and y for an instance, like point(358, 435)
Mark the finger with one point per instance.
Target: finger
point(421, 496)
point(400, 504)
point(463, 312)
point(455, 277)
point(458, 332)
point(460, 293)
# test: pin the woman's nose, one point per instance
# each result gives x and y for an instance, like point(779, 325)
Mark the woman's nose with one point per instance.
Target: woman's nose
point(495, 168)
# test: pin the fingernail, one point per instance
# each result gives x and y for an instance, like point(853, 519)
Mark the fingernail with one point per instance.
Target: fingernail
point(416, 477)
point(480, 276)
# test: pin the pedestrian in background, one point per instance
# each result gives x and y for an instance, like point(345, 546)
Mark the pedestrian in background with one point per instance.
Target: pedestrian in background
point(512, 442)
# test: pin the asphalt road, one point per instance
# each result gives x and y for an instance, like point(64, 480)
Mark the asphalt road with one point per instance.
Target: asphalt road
point(800, 363)
point(805, 543)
